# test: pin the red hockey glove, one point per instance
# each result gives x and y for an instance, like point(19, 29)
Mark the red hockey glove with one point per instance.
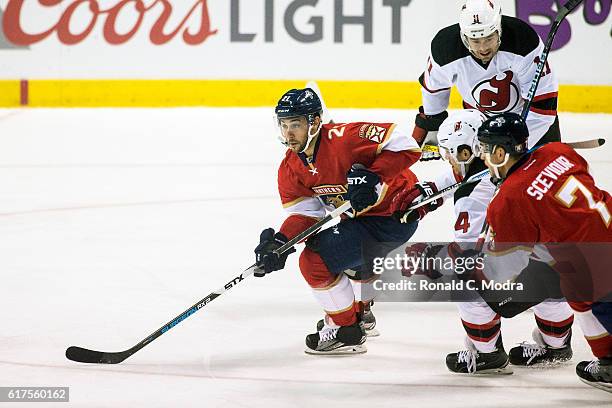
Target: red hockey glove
point(420, 261)
point(400, 207)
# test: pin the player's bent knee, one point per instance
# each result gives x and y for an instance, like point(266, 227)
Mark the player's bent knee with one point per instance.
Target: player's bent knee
point(314, 270)
point(359, 274)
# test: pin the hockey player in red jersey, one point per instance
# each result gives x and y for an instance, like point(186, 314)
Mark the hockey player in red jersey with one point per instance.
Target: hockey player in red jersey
point(492, 60)
point(548, 204)
point(485, 352)
point(326, 165)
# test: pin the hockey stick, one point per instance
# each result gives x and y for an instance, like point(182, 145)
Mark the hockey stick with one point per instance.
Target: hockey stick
point(563, 12)
point(474, 178)
point(585, 144)
point(83, 355)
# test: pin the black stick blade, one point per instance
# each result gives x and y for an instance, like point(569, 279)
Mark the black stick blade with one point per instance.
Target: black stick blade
point(83, 355)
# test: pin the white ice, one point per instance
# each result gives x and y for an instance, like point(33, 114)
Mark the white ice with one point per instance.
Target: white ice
point(114, 221)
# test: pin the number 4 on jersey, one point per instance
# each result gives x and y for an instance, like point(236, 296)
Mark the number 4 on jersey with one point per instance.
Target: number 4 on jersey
point(463, 222)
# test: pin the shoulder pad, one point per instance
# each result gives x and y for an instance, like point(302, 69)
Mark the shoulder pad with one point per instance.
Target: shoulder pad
point(518, 37)
point(447, 46)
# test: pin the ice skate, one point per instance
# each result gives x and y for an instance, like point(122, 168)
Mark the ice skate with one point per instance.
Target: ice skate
point(471, 361)
point(596, 373)
point(369, 324)
point(332, 339)
point(528, 354)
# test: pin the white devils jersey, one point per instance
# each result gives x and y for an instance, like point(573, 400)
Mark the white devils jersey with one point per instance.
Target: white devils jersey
point(471, 202)
point(501, 85)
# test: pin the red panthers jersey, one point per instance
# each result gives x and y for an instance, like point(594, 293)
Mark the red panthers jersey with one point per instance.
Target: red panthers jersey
point(549, 206)
point(310, 186)
point(553, 198)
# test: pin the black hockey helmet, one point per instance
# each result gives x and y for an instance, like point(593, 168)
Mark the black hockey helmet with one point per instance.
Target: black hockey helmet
point(299, 102)
point(507, 130)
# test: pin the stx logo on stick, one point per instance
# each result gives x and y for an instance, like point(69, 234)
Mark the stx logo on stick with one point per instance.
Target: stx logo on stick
point(235, 281)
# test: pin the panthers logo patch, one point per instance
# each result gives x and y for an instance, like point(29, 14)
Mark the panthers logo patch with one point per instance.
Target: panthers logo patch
point(373, 133)
point(331, 194)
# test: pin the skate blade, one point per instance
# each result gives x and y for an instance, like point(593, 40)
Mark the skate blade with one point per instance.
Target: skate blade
point(340, 351)
point(545, 365)
point(507, 370)
point(598, 385)
point(496, 371)
point(373, 332)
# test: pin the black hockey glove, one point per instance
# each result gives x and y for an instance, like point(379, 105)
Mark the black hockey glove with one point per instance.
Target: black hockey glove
point(266, 259)
point(425, 132)
point(407, 198)
point(362, 188)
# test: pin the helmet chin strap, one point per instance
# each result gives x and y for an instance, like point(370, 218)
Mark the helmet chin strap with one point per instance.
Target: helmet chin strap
point(311, 135)
point(463, 165)
point(497, 166)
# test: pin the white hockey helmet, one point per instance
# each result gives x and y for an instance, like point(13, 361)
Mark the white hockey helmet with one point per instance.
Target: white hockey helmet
point(479, 19)
point(460, 129)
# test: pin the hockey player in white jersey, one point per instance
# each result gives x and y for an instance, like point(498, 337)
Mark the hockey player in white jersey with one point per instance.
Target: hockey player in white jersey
point(492, 60)
point(485, 352)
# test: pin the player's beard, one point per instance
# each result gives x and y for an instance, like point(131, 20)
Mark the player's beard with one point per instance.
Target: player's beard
point(296, 146)
point(486, 59)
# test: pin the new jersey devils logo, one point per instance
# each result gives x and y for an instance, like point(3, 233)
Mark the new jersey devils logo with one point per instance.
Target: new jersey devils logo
point(497, 95)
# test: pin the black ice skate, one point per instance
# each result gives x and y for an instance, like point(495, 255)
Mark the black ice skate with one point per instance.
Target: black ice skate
point(596, 373)
point(337, 340)
point(528, 354)
point(369, 324)
point(471, 361)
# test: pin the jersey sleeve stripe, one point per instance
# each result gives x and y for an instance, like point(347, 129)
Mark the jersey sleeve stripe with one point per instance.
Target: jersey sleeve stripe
point(545, 112)
point(386, 139)
point(549, 95)
point(431, 91)
point(545, 104)
point(307, 206)
point(294, 202)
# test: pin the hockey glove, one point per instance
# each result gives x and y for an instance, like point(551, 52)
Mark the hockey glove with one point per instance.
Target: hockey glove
point(468, 262)
point(421, 260)
point(266, 259)
point(407, 198)
point(362, 188)
point(425, 132)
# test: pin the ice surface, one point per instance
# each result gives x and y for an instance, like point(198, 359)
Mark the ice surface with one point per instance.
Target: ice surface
point(114, 221)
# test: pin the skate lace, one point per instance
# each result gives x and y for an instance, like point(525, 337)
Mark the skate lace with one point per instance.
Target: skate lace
point(532, 351)
point(328, 334)
point(592, 367)
point(468, 357)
